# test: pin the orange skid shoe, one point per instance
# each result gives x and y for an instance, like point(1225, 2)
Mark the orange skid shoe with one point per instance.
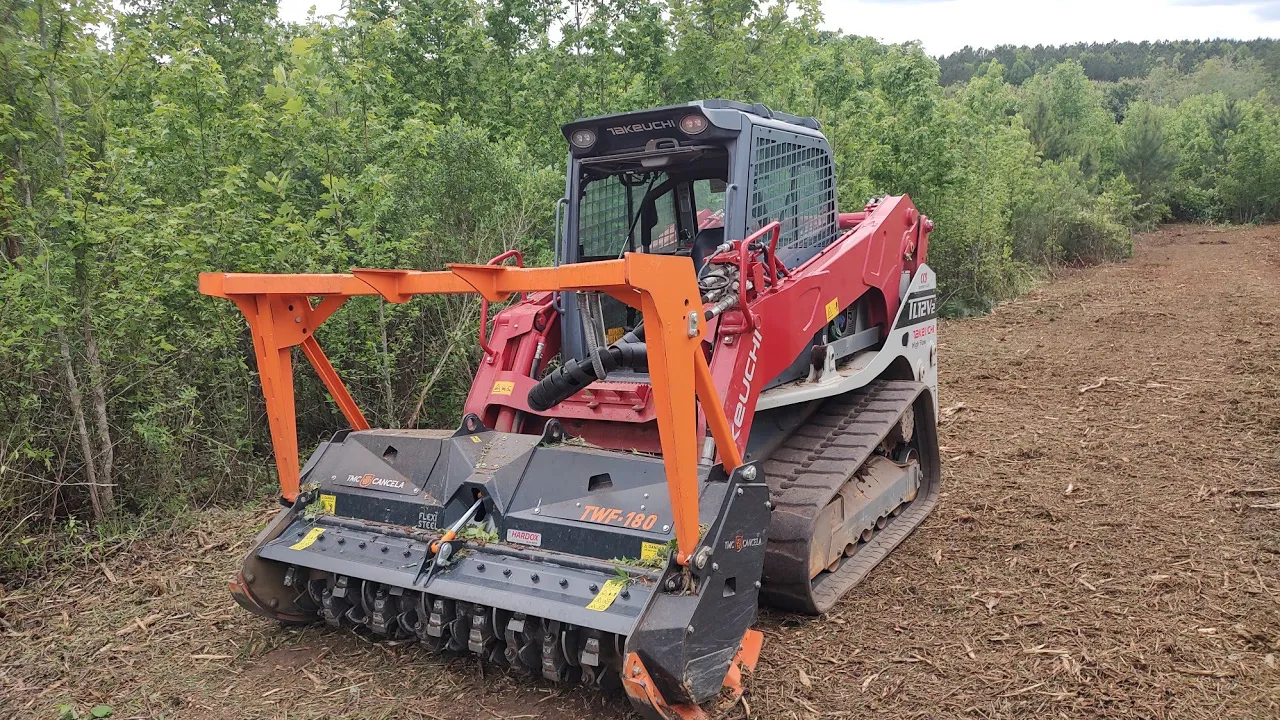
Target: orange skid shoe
point(646, 698)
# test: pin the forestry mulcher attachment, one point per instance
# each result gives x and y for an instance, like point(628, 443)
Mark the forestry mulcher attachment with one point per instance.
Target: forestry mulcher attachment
point(743, 408)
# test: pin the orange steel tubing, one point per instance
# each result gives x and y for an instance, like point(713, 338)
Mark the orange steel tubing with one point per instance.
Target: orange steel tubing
point(663, 288)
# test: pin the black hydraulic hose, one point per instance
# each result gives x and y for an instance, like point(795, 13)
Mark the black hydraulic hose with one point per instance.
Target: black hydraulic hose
point(573, 376)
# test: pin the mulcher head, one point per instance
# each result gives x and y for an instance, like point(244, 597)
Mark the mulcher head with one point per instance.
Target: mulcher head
point(558, 558)
point(571, 561)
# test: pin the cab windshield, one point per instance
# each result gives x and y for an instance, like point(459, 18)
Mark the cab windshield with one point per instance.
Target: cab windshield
point(650, 211)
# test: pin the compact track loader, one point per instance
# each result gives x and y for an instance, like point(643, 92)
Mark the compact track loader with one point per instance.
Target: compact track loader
point(723, 392)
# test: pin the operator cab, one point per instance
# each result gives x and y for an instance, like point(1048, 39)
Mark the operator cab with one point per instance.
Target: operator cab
point(670, 180)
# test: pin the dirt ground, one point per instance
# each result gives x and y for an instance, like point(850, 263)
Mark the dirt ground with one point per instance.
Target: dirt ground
point(1108, 544)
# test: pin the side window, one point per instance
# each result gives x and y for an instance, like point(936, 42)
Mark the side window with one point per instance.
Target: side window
point(814, 206)
point(792, 182)
point(608, 208)
point(602, 217)
point(708, 198)
point(665, 237)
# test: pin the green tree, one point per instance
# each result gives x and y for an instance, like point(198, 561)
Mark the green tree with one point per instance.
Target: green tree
point(1064, 113)
point(1019, 72)
point(144, 142)
point(1145, 156)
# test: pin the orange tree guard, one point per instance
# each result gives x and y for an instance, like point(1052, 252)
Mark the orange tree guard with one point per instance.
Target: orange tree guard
point(664, 288)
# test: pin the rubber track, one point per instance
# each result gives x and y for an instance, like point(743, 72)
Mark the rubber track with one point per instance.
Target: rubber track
point(807, 471)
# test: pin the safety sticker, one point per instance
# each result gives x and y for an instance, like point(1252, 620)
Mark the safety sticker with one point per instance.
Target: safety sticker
point(329, 503)
point(653, 551)
point(614, 334)
point(475, 438)
point(607, 595)
point(503, 387)
point(307, 539)
point(833, 309)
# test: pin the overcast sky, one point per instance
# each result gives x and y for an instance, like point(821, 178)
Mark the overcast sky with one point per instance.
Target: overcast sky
point(947, 25)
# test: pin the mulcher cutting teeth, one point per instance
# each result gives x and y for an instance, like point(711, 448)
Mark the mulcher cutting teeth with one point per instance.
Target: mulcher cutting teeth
point(743, 408)
point(531, 605)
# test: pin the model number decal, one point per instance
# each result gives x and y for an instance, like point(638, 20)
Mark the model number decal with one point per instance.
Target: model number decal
point(615, 516)
point(921, 306)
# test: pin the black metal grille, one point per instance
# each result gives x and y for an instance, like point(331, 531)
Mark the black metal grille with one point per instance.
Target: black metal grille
point(602, 217)
point(793, 182)
point(605, 216)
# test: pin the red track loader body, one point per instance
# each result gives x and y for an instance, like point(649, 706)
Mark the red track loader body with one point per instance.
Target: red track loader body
point(724, 391)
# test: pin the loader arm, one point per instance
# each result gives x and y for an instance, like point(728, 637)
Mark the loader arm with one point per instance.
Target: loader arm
point(281, 315)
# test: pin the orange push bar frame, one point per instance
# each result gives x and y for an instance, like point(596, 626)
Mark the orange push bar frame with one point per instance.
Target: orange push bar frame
point(664, 289)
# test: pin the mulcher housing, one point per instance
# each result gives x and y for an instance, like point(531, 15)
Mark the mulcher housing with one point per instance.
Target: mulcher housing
point(744, 407)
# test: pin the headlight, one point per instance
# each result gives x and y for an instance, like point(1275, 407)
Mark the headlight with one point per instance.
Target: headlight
point(693, 124)
point(582, 139)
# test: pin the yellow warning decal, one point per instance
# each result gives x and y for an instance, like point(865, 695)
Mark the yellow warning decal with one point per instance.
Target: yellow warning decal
point(613, 335)
point(307, 539)
point(475, 438)
point(329, 503)
point(503, 387)
point(833, 309)
point(607, 595)
point(653, 551)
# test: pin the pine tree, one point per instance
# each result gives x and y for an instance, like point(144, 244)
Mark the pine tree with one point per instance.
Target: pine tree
point(1146, 159)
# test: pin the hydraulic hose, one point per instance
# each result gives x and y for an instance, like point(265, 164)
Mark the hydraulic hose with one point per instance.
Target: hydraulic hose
point(561, 383)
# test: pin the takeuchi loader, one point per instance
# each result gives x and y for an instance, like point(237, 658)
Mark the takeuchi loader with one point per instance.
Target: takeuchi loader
point(723, 392)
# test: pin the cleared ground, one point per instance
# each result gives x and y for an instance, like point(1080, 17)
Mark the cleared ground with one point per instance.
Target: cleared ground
point(1108, 544)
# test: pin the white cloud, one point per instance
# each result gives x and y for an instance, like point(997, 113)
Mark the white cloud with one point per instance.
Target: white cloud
point(296, 10)
point(1264, 9)
point(947, 25)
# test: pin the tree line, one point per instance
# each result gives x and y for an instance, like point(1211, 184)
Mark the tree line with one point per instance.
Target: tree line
point(146, 141)
point(1113, 61)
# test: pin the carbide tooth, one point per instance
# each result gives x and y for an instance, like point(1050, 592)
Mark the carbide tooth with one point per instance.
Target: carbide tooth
point(553, 660)
point(333, 602)
point(560, 652)
point(523, 648)
point(332, 608)
point(380, 618)
point(591, 649)
point(439, 622)
point(340, 587)
point(481, 636)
